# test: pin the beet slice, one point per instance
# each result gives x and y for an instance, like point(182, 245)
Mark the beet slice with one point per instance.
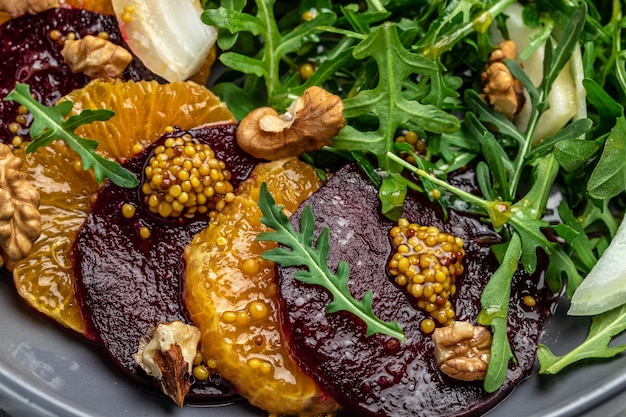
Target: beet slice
point(30, 56)
point(379, 375)
point(126, 283)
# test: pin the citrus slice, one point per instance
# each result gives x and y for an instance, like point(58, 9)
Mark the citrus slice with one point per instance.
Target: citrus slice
point(143, 110)
point(167, 36)
point(230, 294)
point(604, 287)
point(45, 279)
point(98, 6)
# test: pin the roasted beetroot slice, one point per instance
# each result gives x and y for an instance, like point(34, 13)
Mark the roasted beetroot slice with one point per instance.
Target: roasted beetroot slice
point(29, 55)
point(379, 375)
point(126, 283)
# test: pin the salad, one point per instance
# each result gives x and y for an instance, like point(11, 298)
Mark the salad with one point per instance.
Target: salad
point(525, 96)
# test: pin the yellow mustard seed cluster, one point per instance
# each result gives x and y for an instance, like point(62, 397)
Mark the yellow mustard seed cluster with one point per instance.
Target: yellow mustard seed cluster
point(203, 369)
point(183, 177)
point(418, 145)
point(59, 37)
point(427, 262)
point(199, 369)
point(127, 14)
point(17, 125)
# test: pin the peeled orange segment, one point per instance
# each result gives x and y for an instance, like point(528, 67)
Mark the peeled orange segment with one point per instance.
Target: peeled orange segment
point(230, 294)
point(167, 36)
point(98, 6)
point(143, 110)
point(45, 279)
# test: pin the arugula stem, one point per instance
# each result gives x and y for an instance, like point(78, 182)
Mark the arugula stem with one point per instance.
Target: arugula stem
point(498, 211)
point(524, 150)
point(479, 23)
point(620, 71)
point(344, 32)
point(273, 79)
point(614, 62)
point(377, 5)
point(470, 198)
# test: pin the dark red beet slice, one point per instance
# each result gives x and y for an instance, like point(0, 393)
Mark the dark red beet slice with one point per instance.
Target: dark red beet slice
point(126, 283)
point(378, 375)
point(30, 56)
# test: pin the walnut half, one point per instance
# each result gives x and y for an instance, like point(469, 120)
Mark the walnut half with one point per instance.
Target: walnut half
point(18, 8)
point(96, 57)
point(166, 352)
point(501, 90)
point(310, 123)
point(20, 221)
point(462, 350)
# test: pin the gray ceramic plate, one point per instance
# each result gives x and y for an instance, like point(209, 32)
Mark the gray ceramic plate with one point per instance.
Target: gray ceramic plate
point(45, 372)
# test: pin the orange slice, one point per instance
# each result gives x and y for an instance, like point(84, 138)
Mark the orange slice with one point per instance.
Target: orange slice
point(230, 294)
point(143, 110)
point(98, 6)
point(45, 279)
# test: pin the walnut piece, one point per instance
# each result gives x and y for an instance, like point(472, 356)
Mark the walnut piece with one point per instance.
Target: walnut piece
point(17, 8)
point(166, 352)
point(20, 221)
point(311, 122)
point(96, 57)
point(501, 90)
point(462, 350)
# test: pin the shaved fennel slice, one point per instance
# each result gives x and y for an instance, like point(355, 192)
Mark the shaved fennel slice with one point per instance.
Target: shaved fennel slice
point(604, 288)
point(567, 96)
point(166, 35)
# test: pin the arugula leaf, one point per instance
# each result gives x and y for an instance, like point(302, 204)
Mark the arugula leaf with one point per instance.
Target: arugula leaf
point(573, 232)
point(386, 101)
point(608, 179)
point(456, 20)
point(456, 151)
point(49, 124)
point(498, 162)
point(608, 108)
point(603, 327)
point(241, 100)
point(314, 256)
point(575, 130)
point(562, 265)
point(392, 192)
point(560, 55)
point(488, 116)
point(276, 46)
point(495, 307)
point(573, 154)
